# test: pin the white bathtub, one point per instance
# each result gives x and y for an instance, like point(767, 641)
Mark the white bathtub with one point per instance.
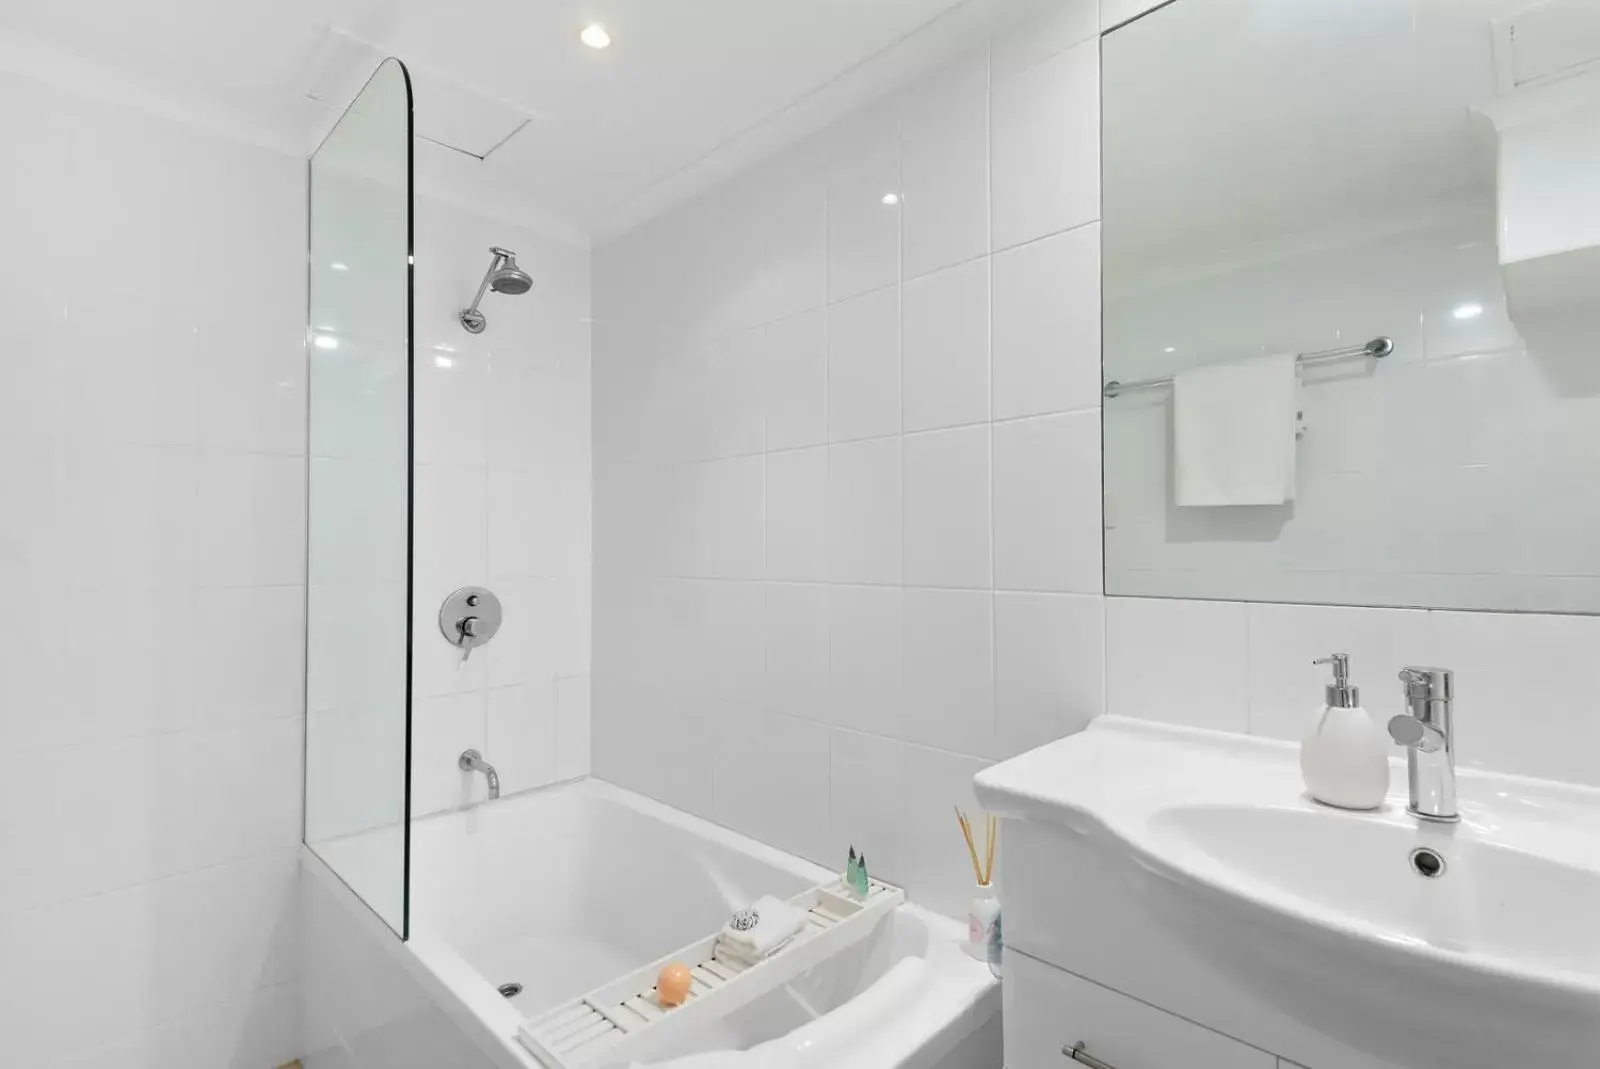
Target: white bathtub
point(565, 889)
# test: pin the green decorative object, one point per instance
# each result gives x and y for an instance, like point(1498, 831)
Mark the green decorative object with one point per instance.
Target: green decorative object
point(855, 873)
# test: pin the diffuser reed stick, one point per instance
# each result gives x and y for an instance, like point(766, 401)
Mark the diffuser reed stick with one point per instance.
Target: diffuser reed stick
point(982, 872)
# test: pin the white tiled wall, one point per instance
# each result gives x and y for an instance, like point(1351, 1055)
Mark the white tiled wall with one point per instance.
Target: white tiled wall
point(151, 556)
point(1525, 683)
point(501, 499)
point(843, 449)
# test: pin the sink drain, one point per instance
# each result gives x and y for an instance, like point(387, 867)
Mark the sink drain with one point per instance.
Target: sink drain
point(511, 990)
point(1427, 863)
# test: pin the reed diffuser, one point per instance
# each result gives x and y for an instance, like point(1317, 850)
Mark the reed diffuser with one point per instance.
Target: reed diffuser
point(983, 914)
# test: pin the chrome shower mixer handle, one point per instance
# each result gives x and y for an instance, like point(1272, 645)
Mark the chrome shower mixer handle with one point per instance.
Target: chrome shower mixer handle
point(469, 618)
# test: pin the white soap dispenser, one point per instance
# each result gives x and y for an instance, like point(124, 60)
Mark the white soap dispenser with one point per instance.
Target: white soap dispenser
point(1345, 755)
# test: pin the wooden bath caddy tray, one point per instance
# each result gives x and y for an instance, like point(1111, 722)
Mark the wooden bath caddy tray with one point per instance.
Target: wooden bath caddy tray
point(611, 1023)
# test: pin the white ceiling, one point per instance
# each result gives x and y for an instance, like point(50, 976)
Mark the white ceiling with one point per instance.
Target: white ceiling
point(689, 90)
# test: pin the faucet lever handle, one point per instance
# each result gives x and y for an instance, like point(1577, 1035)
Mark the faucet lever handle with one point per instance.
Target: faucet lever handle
point(1428, 684)
point(467, 634)
point(1415, 734)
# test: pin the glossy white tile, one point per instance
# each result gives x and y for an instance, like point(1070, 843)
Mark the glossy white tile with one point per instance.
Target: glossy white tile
point(738, 508)
point(944, 143)
point(945, 342)
point(1046, 492)
point(450, 398)
point(441, 728)
point(1049, 670)
point(1046, 130)
point(797, 381)
point(864, 512)
point(1537, 664)
point(947, 522)
point(864, 366)
point(735, 403)
point(519, 525)
point(572, 727)
point(867, 797)
point(949, 669)
point(735, 644)
point(520, 735)
point(864, 199)
point(246, 646)
point(866, 639)
point(1182, 662)
point(1047, 325)
point(797, 515)
point(251, 520)
point(772, 777)
point(130, 516)
point(796, 658)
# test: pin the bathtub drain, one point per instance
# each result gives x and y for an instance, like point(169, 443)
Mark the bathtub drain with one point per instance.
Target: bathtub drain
point(511, 990)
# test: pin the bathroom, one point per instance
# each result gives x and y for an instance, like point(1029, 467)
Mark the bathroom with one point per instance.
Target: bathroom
point(575, 471)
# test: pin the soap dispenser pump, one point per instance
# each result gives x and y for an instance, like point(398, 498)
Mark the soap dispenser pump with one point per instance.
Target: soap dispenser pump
point(1345, 755)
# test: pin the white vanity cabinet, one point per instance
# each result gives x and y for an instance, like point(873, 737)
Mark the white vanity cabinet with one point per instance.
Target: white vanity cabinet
point(1048, 1010)
point(1090, 958)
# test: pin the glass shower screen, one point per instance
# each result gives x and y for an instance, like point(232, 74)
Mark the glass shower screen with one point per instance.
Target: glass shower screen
point(358, 636)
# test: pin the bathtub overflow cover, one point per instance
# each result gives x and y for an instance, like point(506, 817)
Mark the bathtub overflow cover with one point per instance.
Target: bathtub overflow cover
point(511, 990)
point(1427, 863)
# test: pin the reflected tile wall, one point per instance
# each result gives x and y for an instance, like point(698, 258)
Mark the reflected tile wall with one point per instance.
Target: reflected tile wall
point(1410, 471)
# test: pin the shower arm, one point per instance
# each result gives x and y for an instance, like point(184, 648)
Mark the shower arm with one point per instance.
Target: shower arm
point(483, 287)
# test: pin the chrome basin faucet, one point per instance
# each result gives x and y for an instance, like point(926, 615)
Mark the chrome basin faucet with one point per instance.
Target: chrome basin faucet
point(472, 761)
point(1427, 731)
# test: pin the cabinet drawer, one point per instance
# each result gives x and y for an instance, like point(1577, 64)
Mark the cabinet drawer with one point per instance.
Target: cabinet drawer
point(1047, 1009)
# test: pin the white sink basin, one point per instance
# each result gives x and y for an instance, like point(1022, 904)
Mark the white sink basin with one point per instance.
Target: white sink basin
point(1487, 900)
point(1494, 960)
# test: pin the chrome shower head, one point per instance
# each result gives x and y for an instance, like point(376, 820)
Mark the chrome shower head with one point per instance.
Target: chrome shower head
point(503, 276)
point(509, 278)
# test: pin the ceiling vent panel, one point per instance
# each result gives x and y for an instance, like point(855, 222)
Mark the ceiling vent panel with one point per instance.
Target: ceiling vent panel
point(445, 112)
point(461, 118)
point(339, 68)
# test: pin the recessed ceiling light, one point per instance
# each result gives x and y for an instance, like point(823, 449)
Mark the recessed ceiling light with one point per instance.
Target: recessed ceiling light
point(1470, 310)
point(340, 267)
point(444, 362)
point(1170, 349)
point(891, 198)
point(325, 341)
point(595, 36)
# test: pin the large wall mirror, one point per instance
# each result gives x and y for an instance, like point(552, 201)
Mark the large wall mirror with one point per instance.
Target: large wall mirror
point(1352, 303)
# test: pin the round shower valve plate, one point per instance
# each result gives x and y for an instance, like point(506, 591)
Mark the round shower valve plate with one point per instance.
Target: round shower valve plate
point(470, 617)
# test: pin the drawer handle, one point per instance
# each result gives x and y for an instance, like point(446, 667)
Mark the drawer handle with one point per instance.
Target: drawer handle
point(1078, 1054)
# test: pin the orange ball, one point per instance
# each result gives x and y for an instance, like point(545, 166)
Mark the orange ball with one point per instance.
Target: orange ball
point(672, 986)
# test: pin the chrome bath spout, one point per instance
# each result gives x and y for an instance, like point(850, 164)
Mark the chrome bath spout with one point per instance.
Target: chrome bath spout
point(472, 761)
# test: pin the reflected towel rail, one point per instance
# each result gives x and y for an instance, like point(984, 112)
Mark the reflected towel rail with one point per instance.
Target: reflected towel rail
point(1377, 349)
